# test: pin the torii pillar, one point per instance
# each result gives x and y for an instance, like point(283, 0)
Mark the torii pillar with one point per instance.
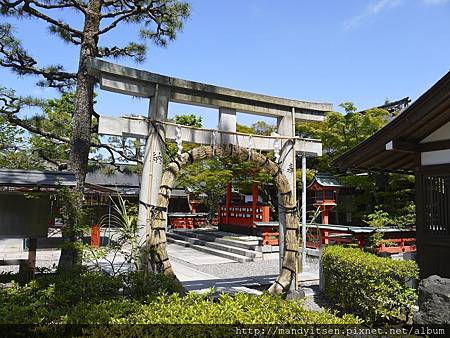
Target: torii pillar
point(286, 127)
point(153, 159)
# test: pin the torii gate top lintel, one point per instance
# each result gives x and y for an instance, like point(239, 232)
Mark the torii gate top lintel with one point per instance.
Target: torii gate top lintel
point(135, 82)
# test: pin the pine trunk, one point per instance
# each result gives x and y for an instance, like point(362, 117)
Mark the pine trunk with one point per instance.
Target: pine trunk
point(81, 127)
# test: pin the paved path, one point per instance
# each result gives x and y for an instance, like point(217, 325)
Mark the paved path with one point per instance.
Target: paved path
point(187, 275)
point(195, 257)
point(198, 271)
point(13, 249)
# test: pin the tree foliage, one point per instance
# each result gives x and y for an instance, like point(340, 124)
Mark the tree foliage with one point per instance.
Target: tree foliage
point(210, 177)
point(11, 140)
point(156, 21)
point(189, 120)
point(340, 133)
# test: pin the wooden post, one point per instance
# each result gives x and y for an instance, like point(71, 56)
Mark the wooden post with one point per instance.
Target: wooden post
point(325, 215)
point(304, 230)
point(254, 200)
point(325, 235)
point(32, 246)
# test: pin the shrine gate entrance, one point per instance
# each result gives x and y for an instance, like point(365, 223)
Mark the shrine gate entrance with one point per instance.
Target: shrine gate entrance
point(156, 129)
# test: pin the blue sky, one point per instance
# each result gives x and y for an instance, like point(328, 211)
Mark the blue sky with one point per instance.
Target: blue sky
point(323, 50)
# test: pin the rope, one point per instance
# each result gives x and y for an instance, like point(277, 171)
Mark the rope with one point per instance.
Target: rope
point(251, 146)
point(179, 141)
point(277, 148)
point(213, 142)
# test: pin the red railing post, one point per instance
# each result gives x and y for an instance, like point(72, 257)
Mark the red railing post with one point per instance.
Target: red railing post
point(95, 235)
point(228, 204)
point(325, 235)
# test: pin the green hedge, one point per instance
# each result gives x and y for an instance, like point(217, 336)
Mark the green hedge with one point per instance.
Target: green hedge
point(367, 285)
point(97, 299)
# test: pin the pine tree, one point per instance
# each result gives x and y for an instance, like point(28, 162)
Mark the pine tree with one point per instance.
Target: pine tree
point(158, 21)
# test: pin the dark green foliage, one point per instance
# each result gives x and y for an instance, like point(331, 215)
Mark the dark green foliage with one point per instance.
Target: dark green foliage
point(96, 298)
point(370, 286)
point(76, 223)
point(55, 297)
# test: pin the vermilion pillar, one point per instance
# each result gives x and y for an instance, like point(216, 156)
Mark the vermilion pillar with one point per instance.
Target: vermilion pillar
point(325, 214)
point(228, 204)
point(254, 200)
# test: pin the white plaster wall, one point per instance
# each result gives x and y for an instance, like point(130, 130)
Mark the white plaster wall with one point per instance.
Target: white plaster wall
point(435, 157)
point(443, 133)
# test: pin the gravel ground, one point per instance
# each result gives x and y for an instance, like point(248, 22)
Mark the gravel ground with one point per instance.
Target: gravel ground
point(236, 270)
point(314, 301)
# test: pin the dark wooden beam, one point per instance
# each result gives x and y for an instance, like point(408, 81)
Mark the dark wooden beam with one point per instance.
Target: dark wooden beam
point(415, 147)
point(403, 146)
point(435, 145)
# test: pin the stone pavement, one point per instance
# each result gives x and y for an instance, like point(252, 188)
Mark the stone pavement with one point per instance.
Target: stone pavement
point(13, 249)
point(188, 275)
point(184, 261)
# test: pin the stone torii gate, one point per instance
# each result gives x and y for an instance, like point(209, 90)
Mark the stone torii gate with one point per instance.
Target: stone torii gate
point(155, 128)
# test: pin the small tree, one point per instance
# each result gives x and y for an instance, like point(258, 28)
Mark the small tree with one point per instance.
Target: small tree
point(124, 242)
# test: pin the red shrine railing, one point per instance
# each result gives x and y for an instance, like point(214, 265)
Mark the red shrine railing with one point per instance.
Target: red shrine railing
point(315, 238)
point(401, 245)
point(243, 214)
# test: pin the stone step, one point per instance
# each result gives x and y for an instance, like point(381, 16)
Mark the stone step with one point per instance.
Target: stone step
point(255, 255)
point(241, 245)
point(219, 253)
point(237, 243)
point(211, 237)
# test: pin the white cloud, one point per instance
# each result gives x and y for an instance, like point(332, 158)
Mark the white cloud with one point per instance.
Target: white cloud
point(434, 2)
point(373, 9)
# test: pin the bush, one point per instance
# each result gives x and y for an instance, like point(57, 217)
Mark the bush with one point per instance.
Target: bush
point(370, 286)
point(47, 298)
point(93, 298)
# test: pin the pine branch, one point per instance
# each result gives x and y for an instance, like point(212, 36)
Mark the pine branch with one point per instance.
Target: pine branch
point(15, 57)
point(133, 50)
point(12, 118)
point(58, 165)
point(65, 35)
point(120, 16)
point(166, 15)
point(10, 105)
point(61, 4)
point(112, 150)
point(17, 8)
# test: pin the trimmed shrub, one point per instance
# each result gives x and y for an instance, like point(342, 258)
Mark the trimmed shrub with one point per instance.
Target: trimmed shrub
point(97, 299)
point(370, 286)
